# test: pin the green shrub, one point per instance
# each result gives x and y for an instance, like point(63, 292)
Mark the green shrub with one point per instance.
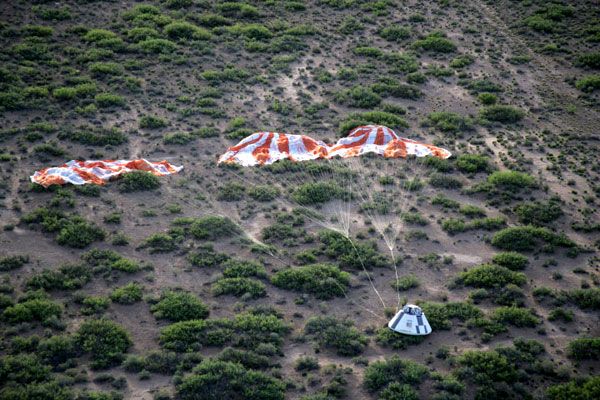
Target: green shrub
point(213, 227)
point(390, 87)
point(142, 33)
point(523, 238)
point(136, 181)
point(359, 96)
point(540, 24)
point(238, 9)
point(439, 315)
point(179, 306)
point(226, 75)
point(98, 35)
point(502, 113)
point(325, 281)
point(487, 275)
point(588, 83)
point(32, 310)
point(449, 122)
point(232, 191)
point(511, 260)
point(586, 298)
point(243, 269)
point(152, 122)
point(306, 363)
point(52, 14)
point(576, 389)
point(108, 260)
point(350, 254)
point(389, 338)
point(462, 61)
point(253, 31)
point(247, 358)
point(519, 317)
point(263, 193)
point(9, 263)
point(584, 349)
point(212, 379)
point(444, 181)
point(487, 367)
point(406, 282)
point(341, 335)
point(513, 180)
point(472, 163)
point(380, 374)
point(394, 33)
point(94, 305)
point(105, 68)
point(487, 98)
point(435, 42)
point(94, 136)
point(105, 100)
point(160, 243)
point(128, 294)
point(72, 230)
point(367, 51)
point(66, 277)
point(157, 46)
point(22, 369)
point(371, 117)
point(56, 350)
point(179, 30)
point(239, 286)
point(539, 213)
point(320, 192)
point(561, 314)
point(591, 60)
point(206, 256)
point(105, 340)
point(395, 391)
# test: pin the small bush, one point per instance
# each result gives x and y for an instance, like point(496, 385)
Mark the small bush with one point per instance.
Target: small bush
point(487, 275)
point(136, 181)
point(106, 340)
point(239, 287)
point(178, 306)
point(523, 238)
point(66, 277)
point(157, 46)
point(513, 180)
point(584, 349)
point(395, 33)
point(586, 298)
point(372, 117)
point(406, 282)
point(575, 389)
point(128, 294)
point(502, 113)
point(539, 213)
point(206, 256)
point(350, 254)
point(380, 374)
point(263, 193)
point(152, 122)
point(243, 269)
point(105, 68)
point(519, 317)
point(325, 281)
point(511, 260)
point(319, 192)
point(228, 380)
point(179, 30)
point(213, 227)
point(588, 83)
point(359, 96)
point(590, 60)
point(105, 100)
point(449, 122)
point(9, 263)
point(472, 163)
point(337, 334)
point(231, 191)
point(306, 363)
point(436, 43)
point(487, 98)
point(32, 310)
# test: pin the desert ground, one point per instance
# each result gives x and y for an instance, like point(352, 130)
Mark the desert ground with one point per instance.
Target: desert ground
point(277, 282)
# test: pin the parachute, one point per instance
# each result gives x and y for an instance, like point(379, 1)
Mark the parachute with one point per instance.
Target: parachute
point(98, 172)
point(410, 321)
point(263, 148)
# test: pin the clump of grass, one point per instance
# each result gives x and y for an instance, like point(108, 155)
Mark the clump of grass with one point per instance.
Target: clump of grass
point(435, 42)
point(136, 181)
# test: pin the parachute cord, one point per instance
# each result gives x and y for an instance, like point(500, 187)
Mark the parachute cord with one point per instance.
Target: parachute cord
point(397, 278)
point(366, 272)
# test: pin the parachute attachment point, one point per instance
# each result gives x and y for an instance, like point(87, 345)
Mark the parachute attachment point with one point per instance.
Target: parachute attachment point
point(98, 172)
point(410, 321)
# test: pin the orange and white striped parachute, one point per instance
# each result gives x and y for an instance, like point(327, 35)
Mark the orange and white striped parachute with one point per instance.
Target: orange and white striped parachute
point(268, 147)
point(98, 172)
point(263, 148)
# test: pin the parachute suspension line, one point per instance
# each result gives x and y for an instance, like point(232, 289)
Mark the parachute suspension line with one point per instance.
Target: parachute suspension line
point(366, 272)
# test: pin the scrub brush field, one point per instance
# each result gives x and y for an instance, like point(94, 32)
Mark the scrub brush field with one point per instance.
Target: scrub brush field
point(223, 281)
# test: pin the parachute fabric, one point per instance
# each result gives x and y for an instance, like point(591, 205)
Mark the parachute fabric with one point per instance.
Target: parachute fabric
point(98, 172)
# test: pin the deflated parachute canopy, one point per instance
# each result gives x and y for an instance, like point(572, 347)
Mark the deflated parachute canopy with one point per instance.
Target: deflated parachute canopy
point(267, 147)
point(98, 172)
point(263, 148)
point(410, 321)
